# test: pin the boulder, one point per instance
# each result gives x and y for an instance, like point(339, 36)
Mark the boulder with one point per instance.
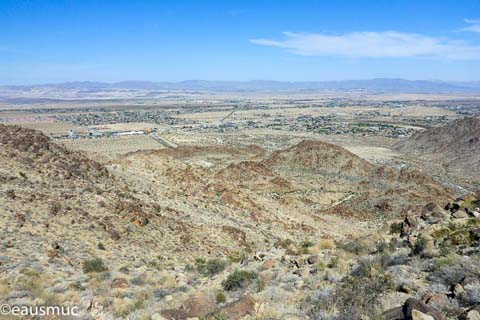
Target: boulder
point(417, 315)
point(240, 308)
point(199, 305)
point(412, 305)
point(438, 300)
point(471, 315)
point(432, 213)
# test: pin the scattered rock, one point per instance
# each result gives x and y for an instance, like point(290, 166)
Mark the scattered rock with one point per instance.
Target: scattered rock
point(459, 214)
point(268, 264)
point(200, 305)
point(119, 283)
point(312, 259)
point(240, 308)
point(417, 315)
point(438, 300)
point(471, 315)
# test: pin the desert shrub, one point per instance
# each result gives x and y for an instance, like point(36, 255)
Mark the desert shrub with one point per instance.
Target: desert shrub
point(124, 270)
point(138, 280)
point(359, 246)
point(101, 246)
point(260, 285)
point(357, 297)
point(305, 245)
point(326, 244)
point(333, 262)
point(360, 295)
point(239, 279)
point(94, 265)
point(396, 228)
point(221, 297)
point(420, 245)
point(452, 271)
point(77, 286)
point(236, 257)
point(211, 267)
point(471, 296)
point(284, 243)
point(388, 260)
point(320, 266)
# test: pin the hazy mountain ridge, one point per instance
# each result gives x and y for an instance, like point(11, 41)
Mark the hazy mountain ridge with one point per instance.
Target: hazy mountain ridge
point(378, 84)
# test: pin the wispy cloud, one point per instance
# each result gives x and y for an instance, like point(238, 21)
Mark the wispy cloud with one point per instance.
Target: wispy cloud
point(388, 44)
point(474, 25)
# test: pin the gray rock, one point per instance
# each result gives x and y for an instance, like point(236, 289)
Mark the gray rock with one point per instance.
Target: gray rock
point(413, 304)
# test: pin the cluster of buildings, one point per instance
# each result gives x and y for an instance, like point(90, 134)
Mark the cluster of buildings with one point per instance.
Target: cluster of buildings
point(101, 118)
point(94, 133)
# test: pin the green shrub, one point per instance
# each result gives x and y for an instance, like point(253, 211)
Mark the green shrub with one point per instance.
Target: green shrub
point(396, 228)
point(94, 265)
point(333, 262)
point(239, 279)
point(361, 294)
point(261, 285)
point(420, 245)
point(305, 245)
point(236, 257)
point(221, 297)
point(211, 267)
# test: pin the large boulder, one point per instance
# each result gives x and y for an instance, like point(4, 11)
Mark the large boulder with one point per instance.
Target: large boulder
point(412, 305)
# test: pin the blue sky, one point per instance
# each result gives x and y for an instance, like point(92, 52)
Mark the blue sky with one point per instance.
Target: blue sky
point(56, 41)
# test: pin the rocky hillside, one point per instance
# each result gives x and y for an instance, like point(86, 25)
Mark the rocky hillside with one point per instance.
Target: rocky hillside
point(456, 146)
point(320, 156)
point(207, 232)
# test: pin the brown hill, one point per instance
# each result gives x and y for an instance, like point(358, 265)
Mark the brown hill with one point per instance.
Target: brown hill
point(459, 136)
point(456, 146)
point(320, 156)
point(32, 150)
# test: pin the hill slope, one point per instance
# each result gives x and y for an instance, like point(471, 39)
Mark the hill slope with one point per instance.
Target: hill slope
point(455, 145)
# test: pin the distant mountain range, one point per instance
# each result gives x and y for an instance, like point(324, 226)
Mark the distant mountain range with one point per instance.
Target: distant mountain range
point(373, 85)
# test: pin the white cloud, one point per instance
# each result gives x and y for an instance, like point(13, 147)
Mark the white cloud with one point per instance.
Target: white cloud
point(388, 44)
point(474, 25)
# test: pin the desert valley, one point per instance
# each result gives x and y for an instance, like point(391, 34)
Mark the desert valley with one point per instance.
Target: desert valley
point(142, 202)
